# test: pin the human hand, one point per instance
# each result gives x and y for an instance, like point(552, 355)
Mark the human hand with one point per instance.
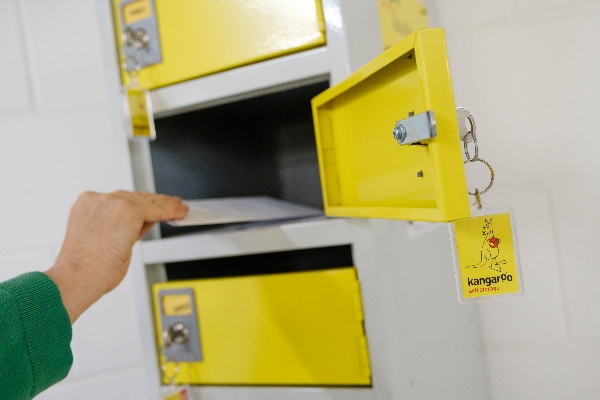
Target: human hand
point(101, 232)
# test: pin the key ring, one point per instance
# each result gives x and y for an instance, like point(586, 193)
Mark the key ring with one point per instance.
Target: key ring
point(468, 135)
point(170, 378)
point(477, 192)
point(134, 72)
point(466, 147)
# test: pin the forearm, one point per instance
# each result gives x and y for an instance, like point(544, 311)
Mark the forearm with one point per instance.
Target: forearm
point(77, 290)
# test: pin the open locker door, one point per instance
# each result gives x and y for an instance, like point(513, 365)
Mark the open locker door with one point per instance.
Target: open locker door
point(388, 140)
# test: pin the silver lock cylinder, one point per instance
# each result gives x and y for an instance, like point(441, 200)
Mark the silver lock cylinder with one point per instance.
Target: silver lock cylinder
point(137, 39)
point(415, 128)
point(176, 334)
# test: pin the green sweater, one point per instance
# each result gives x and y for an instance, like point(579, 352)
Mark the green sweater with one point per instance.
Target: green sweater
point(35, 336)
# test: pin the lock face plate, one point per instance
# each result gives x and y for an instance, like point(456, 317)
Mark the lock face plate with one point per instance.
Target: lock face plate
point(179, 306)
point(364, 172)
point(139, 26)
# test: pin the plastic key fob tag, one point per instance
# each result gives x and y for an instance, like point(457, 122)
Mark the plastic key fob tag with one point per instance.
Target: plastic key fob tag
point(139, 120)
point(486, 256)
point(179, 393)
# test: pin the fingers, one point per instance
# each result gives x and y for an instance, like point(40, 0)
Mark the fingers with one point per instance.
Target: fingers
point(138, 211)
point(152, 207)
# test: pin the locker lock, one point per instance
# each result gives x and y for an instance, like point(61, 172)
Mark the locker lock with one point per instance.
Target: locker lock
point(176, 334)
point(415, 128)
point(179, 326)
point(137, 39)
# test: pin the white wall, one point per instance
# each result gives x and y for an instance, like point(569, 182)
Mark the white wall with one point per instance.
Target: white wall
point(57, 140)
point(529, 71)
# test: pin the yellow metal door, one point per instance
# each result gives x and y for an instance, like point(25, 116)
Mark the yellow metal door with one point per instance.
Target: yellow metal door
point(301, 328)
point(364, 171)
point(201, 37)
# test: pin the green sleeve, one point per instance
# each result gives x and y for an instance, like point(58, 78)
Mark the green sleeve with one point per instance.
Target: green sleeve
point(35, 336)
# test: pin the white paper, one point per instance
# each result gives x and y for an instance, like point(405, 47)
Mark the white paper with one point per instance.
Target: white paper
point(242, 209)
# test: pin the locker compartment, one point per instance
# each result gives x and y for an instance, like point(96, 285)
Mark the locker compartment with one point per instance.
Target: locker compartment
point(301, 326)
point(178, 41)
point(264, 263)
point(264, 146)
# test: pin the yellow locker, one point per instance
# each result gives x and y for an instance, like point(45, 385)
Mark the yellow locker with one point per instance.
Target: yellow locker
point(197, 38)
point(377, 159)
point(299, 328)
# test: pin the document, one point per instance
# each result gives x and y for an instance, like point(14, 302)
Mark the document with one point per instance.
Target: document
point(242, 209)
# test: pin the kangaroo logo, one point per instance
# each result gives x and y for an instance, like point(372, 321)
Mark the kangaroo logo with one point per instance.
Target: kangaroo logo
point(489, 249)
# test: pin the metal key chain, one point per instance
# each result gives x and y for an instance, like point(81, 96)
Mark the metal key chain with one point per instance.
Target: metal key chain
point(485, 249)
point(138, 117)
point(467, 136)
point(176, 334)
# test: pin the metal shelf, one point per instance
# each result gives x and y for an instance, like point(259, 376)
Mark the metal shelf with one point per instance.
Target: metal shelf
point(307, 233)
point(245, 82)
point(288, 393)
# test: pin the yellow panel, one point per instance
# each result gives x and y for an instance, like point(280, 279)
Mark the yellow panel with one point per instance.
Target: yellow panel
point(137, 11)
point(203, 37)
point(364, 172)
point(302, 328)
point(177, 304)
point(399, 18)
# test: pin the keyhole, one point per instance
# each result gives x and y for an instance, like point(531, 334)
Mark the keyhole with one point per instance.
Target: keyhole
point(176, 334)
